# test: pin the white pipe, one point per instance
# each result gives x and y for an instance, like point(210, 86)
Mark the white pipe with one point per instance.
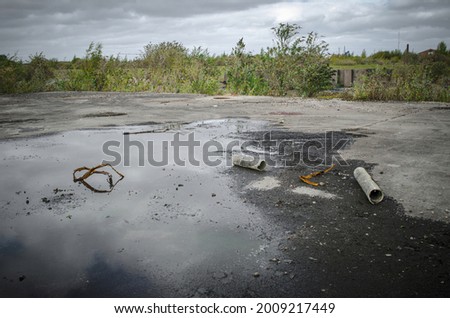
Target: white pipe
point(370, 188)
point(249, 162)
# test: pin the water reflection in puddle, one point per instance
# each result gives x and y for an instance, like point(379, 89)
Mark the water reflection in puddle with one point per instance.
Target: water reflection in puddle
point(163, 231)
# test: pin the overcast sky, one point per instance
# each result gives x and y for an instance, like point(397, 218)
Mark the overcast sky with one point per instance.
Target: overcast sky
point(64, 28)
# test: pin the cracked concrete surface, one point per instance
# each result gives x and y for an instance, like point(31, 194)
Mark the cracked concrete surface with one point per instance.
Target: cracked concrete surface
point(408, 142)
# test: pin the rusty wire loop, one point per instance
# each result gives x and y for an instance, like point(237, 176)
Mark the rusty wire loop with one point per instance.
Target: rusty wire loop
point(90, 171)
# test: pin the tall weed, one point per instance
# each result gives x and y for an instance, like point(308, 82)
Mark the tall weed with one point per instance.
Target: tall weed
point(19, 77)
point(295, 65)
point(406, 82)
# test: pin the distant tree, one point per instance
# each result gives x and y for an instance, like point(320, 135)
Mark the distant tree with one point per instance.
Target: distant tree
point(387, 55)
point(363, 54)
point(239, 49)
point(442, 47)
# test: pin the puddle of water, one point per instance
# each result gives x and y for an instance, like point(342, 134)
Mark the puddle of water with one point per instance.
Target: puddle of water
point(162, 231)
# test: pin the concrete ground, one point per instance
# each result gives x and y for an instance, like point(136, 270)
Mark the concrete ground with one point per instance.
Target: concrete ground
point(202, 231)
point(408, 142)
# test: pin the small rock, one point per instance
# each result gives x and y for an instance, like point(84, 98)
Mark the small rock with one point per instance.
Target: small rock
point(275, 260)
point(202, 291)
point(388, 255)
point(220, 275)
point(279, 273)
point(256, 274)
point(22, 278)
point(213, 195)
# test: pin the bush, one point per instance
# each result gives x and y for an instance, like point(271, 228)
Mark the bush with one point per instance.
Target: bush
point(294, 65)
point(405, 82)
point(245, 72)
point(39, 74)
point(89, 73)
point(18, 77)
point(12, 72)
point(387, 55)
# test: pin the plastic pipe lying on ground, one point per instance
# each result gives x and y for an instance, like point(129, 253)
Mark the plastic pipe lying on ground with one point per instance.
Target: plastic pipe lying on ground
point(249, 162)
point(370, 188)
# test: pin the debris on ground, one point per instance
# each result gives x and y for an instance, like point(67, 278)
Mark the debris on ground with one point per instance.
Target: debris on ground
point(95, 170)
point(249, 162)
point(370, 188)
point(307, 179)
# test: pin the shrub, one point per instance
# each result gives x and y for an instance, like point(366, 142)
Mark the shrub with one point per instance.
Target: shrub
point(405, 82)
point(12, 72)
point(18, 77)
point(39, 74)
point(387, 55)
point(295, 64)
point(89, 73)
point(244, 75)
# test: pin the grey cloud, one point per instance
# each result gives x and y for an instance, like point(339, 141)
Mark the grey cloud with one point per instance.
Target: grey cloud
point(370, 16)
point(166, 8)
point(64, 28)
point(402, 5)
